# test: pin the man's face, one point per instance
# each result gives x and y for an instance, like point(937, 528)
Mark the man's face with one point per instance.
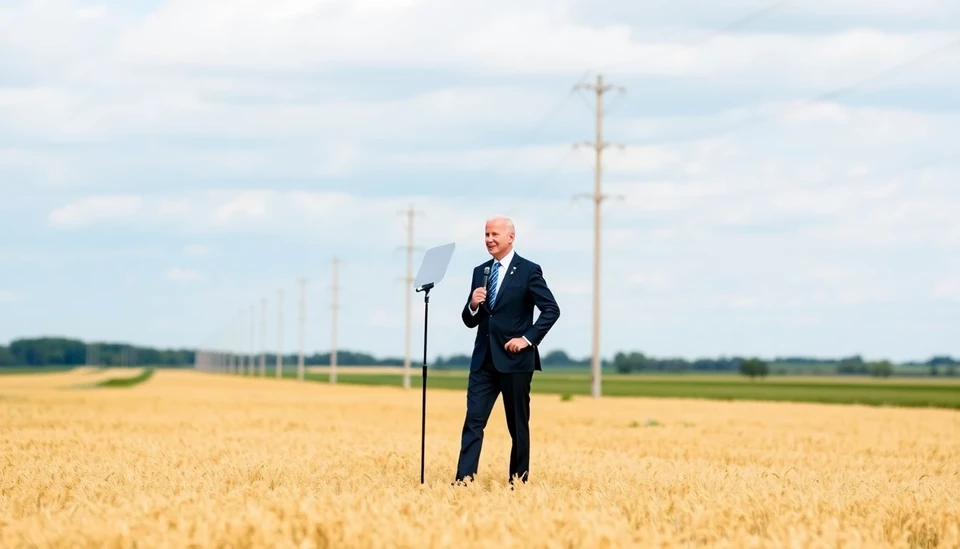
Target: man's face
point(498, 238)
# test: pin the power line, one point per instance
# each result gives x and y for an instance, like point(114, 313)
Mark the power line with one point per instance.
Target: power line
point(541, 124)
point(739, 22)
point(411, 213)
point(598, 197)
point(828, 95)
point(732, 25)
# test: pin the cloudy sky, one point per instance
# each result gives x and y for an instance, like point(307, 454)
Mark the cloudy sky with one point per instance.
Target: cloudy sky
point(788, 182)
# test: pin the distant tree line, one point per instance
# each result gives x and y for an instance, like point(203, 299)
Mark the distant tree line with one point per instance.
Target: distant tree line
point(553, 358)
point(54, 351)
point(58, 351)
point(755, 367)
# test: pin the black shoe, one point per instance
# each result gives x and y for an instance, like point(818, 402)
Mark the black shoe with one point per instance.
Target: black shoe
point(513, 480)
point(462, 482)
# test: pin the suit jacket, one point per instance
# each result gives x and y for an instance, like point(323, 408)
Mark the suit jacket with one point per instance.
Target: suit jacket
point(523, 287)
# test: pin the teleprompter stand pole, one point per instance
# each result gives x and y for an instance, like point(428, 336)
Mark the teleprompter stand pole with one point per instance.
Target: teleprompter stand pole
point(423, 406)
point(432, 270)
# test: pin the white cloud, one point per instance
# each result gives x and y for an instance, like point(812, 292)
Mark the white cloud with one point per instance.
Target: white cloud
point(698, 19)
point(173, 107)
point(173, 208)
point(196, 250)
point(6, 296)
point(26, 27)
point(285, 132)
point(181, 274)
point(727, 132)
point(948, 288)
point(217, 33)
point(797, 300)
point(653, 280)
point(922, 9)
point(830, 273)
point(569, 285)
point(754, 158)
point(96, 209)
point(12, 157)
point(150, 91)
point(386, 319)
point(324, 216)
point(247, 205)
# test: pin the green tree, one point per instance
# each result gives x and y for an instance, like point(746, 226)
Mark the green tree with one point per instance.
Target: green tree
point(557, 358)
point(852, 365)
point(6, 357)
point(622, 363)
point(626, 363)
point(754, 367)
point(881, 369)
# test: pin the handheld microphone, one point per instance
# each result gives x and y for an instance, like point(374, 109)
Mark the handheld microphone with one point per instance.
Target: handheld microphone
point(486, 276)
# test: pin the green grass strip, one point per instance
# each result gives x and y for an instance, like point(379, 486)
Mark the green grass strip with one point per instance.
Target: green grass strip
point(944, 393)
point(127, 381)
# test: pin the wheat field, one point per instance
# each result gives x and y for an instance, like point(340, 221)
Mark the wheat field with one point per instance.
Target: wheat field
point(192, 459)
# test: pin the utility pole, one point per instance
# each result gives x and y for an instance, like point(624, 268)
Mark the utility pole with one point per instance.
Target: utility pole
point(279, 333)
point(303, 318)
point(598, 197)
point(407, 286)
point(237, 339)
point(253, 339)
point(93, 355)
point(240, 346)
point(263, 337)
point(334, 306)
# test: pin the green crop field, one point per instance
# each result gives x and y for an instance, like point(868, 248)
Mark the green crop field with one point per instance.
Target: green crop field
point(924, 392)
point(20, 370)
point(928, 391)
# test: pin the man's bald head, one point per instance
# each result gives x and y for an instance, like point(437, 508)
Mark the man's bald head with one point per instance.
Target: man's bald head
point(499, 233)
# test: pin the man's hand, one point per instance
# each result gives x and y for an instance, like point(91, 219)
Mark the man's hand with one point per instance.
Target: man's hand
point(516, 344)
point(479, 295)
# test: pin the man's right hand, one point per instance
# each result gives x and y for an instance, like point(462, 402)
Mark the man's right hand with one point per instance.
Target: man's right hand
point(479, 296)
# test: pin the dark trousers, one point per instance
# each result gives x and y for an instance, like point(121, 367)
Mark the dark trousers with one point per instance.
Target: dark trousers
point(483, 388)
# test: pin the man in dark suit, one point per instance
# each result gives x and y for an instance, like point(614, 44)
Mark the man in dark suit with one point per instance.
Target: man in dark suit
point(505, 352)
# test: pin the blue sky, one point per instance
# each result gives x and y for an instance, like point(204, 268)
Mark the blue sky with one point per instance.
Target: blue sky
point(165, 165)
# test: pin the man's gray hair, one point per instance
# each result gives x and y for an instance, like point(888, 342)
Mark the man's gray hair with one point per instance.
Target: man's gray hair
point(505, 220)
